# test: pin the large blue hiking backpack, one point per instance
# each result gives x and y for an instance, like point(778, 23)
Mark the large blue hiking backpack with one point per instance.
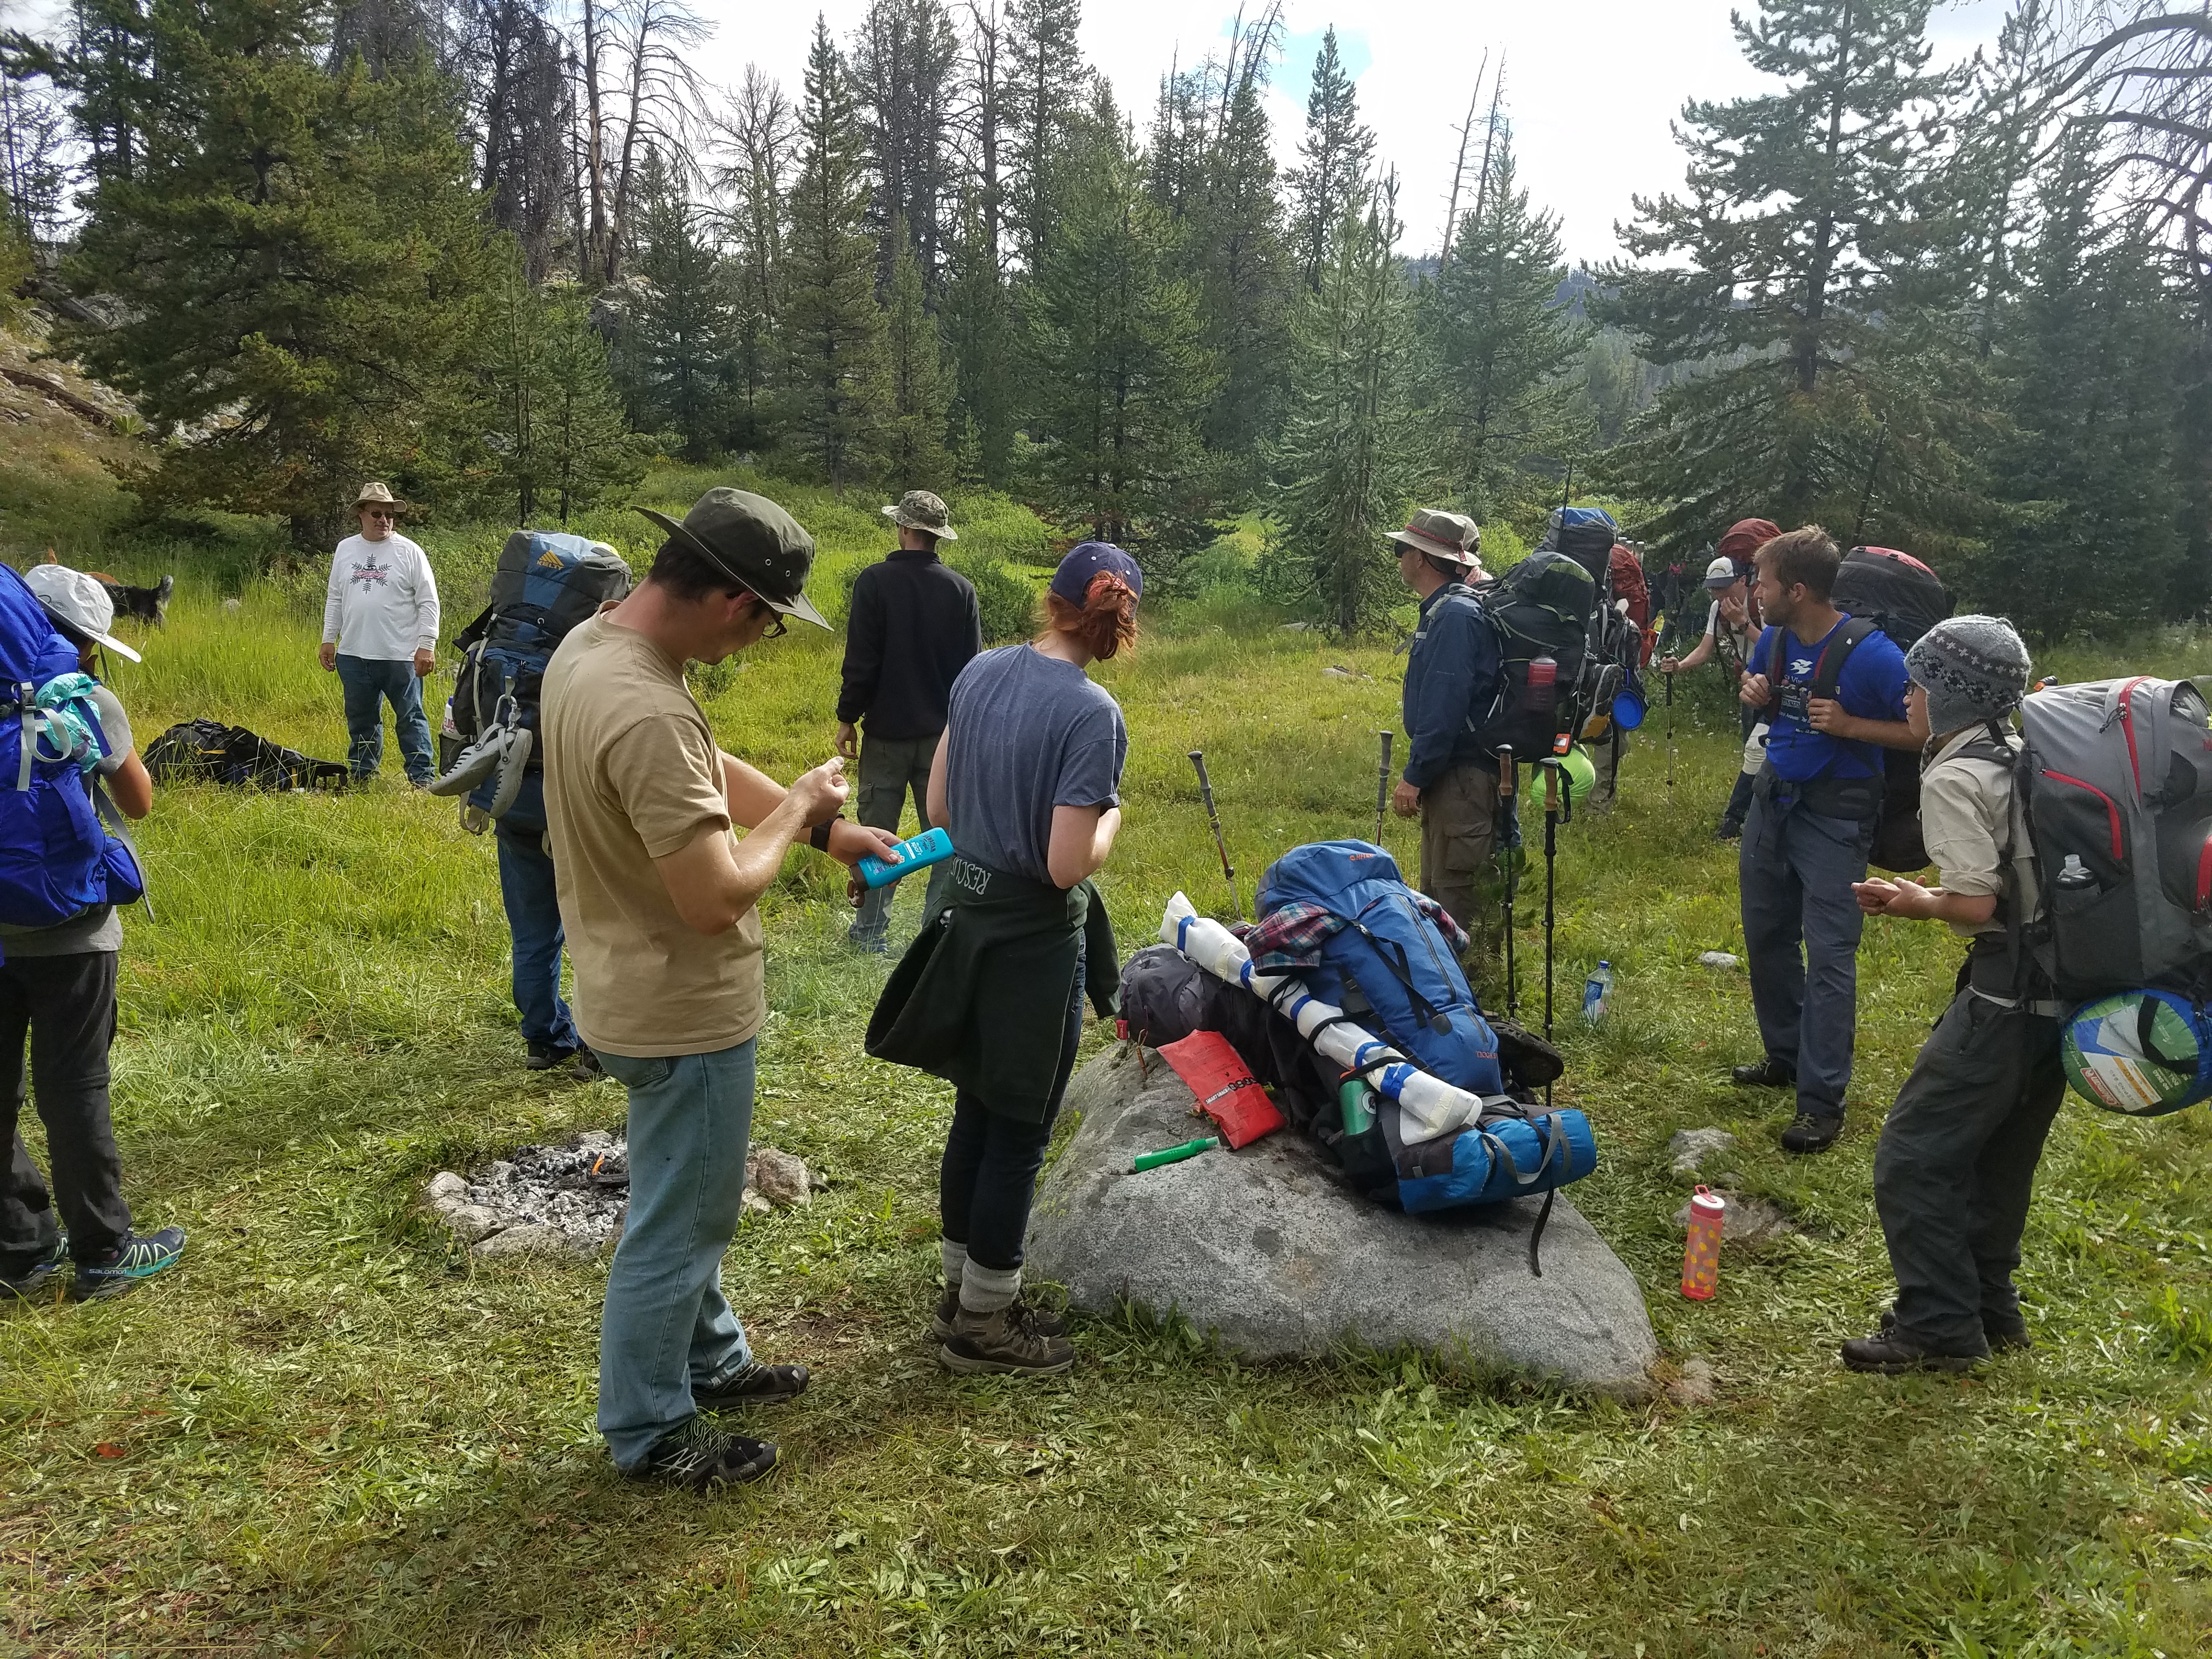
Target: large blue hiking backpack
point(1391, 971)
point(546, 582)
point(57, 860)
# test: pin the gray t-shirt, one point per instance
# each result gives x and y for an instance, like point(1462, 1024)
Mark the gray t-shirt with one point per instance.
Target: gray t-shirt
point(1028, 733)
point(98, 928)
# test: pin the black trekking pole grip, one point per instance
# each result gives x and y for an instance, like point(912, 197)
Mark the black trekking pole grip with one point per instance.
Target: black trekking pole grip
point(1213, 818)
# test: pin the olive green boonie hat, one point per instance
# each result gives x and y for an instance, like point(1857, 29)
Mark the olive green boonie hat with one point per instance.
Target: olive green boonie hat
point(1451, 535)
point(753, 542)
point(920, 510)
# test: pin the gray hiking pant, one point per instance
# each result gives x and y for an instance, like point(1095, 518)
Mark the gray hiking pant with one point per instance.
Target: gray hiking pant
point(1957, 1160)
point(889, 766)
point(1801, 934)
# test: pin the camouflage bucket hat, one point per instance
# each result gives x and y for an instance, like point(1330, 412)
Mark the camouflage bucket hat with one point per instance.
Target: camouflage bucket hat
point(920, 510)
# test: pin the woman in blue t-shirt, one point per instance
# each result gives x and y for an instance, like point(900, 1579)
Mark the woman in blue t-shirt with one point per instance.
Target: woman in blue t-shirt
point(1027, 779)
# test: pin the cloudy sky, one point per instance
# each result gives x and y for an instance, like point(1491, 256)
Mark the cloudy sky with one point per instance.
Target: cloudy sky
point(1591, 86)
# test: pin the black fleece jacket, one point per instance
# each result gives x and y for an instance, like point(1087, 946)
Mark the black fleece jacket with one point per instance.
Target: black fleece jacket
point(913, 627)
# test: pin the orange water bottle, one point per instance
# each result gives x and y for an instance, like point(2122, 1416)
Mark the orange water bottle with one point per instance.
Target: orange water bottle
point(1701, 1255)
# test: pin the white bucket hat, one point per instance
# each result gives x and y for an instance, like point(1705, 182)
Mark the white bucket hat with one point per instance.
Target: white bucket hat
point(79, 604)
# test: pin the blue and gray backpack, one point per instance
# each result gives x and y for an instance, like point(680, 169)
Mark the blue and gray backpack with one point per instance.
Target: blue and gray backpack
point(57, 859)
point(1391, 970)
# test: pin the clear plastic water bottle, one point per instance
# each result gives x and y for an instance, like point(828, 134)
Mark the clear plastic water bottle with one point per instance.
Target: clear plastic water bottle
point(1597, 994)
point(2074, 874)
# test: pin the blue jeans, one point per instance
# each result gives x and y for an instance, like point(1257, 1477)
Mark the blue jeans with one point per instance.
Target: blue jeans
point(666, 1325)
point(1796, 868)
point(533, 923)
point(370, 683)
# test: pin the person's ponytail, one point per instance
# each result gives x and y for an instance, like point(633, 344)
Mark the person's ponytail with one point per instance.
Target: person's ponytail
point(1107, 621)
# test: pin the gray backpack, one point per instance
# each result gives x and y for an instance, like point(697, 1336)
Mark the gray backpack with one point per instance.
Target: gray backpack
point(2119, 776)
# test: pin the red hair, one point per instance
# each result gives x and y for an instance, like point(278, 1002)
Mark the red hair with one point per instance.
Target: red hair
point(1107, 622)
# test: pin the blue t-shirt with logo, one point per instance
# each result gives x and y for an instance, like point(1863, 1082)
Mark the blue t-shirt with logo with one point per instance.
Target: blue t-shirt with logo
point(1871, 687)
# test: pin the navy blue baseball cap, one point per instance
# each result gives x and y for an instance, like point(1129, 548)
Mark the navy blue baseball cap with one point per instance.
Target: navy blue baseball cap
point(1072, 581)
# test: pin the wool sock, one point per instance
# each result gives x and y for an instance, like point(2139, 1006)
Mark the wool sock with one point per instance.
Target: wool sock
point(987, 1289)
point(955, 1258)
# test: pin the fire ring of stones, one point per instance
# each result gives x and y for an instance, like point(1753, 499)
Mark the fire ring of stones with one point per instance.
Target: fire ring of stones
point(571, 1199)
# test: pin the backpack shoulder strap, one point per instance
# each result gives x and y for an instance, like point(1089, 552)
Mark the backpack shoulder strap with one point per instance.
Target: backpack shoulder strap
point(1828, 668)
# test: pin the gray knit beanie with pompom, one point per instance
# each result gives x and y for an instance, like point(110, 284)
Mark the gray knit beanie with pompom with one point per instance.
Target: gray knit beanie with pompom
point(1974, 669)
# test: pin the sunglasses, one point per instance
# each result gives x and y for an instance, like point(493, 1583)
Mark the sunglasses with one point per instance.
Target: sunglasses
point(379, 512)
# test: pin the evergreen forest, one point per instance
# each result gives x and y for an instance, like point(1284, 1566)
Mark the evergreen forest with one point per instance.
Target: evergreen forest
point(506, 253)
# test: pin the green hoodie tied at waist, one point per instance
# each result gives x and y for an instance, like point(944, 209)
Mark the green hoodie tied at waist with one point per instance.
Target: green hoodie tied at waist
point(980, 998)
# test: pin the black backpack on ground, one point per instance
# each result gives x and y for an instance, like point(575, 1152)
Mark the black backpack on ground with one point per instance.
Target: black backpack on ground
point(208, 751)
point(1540, 610)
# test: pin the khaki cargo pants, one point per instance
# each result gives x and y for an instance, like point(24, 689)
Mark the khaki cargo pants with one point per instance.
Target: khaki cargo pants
point(1459, 828)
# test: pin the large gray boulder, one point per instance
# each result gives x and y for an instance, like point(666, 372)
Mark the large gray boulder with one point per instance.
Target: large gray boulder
point(1269, 1250)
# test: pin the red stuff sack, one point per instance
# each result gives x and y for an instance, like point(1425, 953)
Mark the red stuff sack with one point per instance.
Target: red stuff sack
point(1227, 1090)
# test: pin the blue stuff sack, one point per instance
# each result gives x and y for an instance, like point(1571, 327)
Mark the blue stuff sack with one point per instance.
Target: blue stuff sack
point(1502, 1157)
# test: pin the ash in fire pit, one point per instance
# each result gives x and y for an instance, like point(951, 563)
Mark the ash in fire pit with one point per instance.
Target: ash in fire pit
point(571, 1199)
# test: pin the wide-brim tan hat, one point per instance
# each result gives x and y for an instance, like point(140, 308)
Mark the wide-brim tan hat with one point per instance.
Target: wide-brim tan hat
point(1449, 536)
point(920, 510)
point(379, 495)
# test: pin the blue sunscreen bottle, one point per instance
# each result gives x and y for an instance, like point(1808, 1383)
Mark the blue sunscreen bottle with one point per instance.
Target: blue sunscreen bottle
point(924, 850)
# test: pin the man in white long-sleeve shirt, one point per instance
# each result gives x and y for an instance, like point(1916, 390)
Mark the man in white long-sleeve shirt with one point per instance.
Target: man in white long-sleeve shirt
point(381, 635)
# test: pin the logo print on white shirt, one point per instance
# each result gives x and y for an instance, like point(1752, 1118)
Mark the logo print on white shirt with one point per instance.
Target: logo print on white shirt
point(371, 574)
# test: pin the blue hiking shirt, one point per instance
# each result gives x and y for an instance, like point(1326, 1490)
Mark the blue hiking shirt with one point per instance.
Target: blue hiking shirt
point(1451, 673)
point(1871, 687)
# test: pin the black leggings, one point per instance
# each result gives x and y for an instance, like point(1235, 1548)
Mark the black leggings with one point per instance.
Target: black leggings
point(988, 1177)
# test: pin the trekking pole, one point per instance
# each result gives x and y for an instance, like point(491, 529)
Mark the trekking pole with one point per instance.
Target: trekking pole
point(1508, 780)
point(1550, 858)
point(1670, 743)
point(1206, 789)
point(1382, 787)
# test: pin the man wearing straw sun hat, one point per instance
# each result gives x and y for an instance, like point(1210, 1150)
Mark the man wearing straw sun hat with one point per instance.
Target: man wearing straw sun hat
point(380, 636)
point(1451, 781)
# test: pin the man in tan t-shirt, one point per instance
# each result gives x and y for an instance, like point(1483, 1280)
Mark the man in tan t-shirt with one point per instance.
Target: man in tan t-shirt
point(659, 903)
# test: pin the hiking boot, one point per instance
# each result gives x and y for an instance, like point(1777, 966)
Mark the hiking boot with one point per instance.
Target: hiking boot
point(2001, 1335)
point(752, 1384)
point(1769, 1073)
point(1890, 1352)
point(138, 1257)
point(1731, 830)
point(544, 1056)
point(872, 945)
point(700, 1454)
point(1041, 1320)
point(1004, 1339)
point(29, 1281)
point(585, 1067)
point(1811, 1132)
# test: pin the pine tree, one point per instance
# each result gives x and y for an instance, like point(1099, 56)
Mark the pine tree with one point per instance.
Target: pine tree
point(980, 324)
point(555, 423)
point(299, 268)
point(679, 340)
point(905, 61)
point(1243, 263)
point(1352, 451)
point(1046, 92)
point(834, 376)
point(2092, 540)
point(1334, 158)
point(1500, 340)
point(922, 380)
point(1785, 302)
point(760, 130)
point(1123, 373)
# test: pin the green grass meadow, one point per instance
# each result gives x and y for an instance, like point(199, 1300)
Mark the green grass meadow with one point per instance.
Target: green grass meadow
point(329, 1432)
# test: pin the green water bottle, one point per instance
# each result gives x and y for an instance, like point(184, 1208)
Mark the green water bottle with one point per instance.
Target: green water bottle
point(1356, 1102)
point(1144, 1161)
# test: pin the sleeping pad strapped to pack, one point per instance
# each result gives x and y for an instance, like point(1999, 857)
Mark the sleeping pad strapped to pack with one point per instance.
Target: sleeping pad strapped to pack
point(1374, 954)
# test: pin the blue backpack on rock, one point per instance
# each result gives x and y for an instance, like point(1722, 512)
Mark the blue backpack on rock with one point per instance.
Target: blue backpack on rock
point(57, 860)
point(1391, 971)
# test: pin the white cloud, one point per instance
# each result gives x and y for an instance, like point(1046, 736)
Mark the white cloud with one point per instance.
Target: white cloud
point(1591, 87)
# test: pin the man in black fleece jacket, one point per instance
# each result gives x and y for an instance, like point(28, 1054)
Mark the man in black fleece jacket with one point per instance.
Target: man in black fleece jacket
point(913, 627)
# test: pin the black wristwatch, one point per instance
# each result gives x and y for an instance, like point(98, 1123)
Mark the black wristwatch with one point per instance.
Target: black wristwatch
point(819, 837)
